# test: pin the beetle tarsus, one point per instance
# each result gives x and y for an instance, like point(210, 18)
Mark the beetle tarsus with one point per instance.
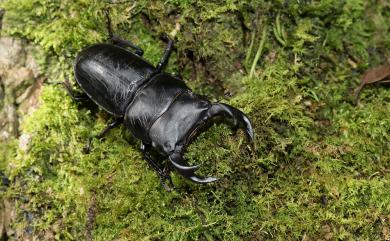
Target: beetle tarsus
point(108, 23)
point(167, 173)
point(166, 177)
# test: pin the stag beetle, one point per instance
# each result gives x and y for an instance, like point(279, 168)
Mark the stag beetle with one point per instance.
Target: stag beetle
point(156, 107)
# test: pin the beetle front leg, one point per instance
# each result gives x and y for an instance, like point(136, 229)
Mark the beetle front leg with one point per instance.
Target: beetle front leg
point(162, 173)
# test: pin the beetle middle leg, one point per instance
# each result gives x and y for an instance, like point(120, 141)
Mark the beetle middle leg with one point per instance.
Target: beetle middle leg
point(83, 97)
point(162, 173)
point(111, 125)
point(117, 40)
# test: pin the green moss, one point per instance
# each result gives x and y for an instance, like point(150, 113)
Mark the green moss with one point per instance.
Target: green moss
point(320, 169)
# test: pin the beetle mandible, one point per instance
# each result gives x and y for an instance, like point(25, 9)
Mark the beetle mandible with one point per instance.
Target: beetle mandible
point(156, 107)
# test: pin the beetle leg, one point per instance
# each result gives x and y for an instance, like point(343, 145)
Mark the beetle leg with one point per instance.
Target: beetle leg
point(111, 125)
point(117, 40)
point(167, 170)
point(125, 43)
point(165, 58)
point(178, 162)
point(163, 174)
point(75, 96)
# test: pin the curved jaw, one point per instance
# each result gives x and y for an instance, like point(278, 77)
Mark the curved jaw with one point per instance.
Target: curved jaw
point(240, 120)
point(188, 171)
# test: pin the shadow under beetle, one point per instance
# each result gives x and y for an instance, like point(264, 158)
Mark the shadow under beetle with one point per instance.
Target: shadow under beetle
point(156, 107)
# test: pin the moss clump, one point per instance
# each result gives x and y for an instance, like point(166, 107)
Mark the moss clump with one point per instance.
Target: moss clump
point(321, 164)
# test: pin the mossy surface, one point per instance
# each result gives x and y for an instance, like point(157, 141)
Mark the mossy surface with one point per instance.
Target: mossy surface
point(321, 168)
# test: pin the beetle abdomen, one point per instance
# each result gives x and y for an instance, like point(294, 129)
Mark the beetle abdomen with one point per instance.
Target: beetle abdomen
point(111, 75)
point(151, 102)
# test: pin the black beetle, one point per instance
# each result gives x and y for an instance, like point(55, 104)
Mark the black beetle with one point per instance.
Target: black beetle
point(157, 108)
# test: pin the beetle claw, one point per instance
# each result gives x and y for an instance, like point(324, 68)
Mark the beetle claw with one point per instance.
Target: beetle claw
point(188, 171)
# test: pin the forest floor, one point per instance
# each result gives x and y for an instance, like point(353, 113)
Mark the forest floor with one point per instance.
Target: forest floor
point(321, 168)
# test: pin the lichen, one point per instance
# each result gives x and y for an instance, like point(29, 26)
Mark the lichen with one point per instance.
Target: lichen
point(321, 165)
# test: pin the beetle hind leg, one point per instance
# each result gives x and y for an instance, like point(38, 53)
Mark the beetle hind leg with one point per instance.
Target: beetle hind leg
point(75, 96)
point(117, 40)
point(125, 43)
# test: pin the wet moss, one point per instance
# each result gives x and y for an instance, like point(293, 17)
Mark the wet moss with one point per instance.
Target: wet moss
point(320, 169)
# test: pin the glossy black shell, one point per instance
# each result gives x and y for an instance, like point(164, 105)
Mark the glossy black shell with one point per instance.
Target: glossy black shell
point(164, 112)
point(158, 108)
point(151, 102)
point(110, 75)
